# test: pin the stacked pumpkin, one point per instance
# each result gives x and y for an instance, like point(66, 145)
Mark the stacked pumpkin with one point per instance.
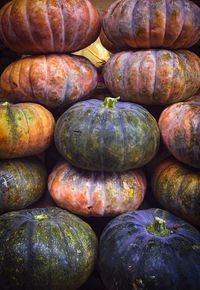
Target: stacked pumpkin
point(104, 145)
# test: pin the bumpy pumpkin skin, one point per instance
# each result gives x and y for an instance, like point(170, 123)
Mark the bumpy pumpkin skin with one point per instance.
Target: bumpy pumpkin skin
point(45, 249)
point(131, 257)
point(99, 139)
point(96, 194)
point(28, 26)
point(26, 129)
point(52, 80)
point(22, 182)
point(180, 131)
point(176, 187)
point(156, 23)
point(153, 77)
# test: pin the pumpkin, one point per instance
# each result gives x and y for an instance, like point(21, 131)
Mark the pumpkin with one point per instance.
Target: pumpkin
point(46, 248)
point(107, 136)
point(22, 182)
point(180, 129)
point(109, 45)
point(150, 249)
point(152, 24)
point(96, 194)
point(28, 26)
point(52, 80)
point(176, 187)
point(153, 77)
point(26, 129)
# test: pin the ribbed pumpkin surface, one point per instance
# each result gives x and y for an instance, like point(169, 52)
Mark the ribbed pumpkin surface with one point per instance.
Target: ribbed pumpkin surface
point(180, 129)
point(153, 77)
point(48, 26)
point(156, 23)
point(131, 257)
point(96, 194)
point(176, 186)
point(45, 249)
point(52, 80)
point(96, 138)
point(22, 182)
point(26, 129)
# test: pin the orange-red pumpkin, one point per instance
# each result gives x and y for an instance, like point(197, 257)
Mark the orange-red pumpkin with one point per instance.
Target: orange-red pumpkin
point(176, 187)
point(52, 80)
point(180, 130)
point(96, 194)
point(155, 23)
point(153, 77)
point(28, 26)
point(25, 129)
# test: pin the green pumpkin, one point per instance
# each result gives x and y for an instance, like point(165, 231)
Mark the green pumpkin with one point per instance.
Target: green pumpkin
point(107, 136)
point(43, 249)
point(22, 182)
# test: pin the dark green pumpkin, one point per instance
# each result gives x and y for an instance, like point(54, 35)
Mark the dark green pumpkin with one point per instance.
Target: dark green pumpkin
point(45, 249)
point(106, 136)
point(150, 250)
point(22, 182)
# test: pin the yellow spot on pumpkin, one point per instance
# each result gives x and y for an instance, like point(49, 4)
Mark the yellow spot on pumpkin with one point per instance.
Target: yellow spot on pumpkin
point(131, 192)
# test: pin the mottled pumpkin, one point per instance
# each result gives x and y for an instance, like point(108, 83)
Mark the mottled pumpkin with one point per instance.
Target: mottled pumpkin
point(151, 250)
point(176, 187)
point(52, 80)
point(104, 136)
point(25, 129)
point(153, 77)
point(156, 23)
point(180, 130)
point(109, 45)
point(22, 182)
point(45, 248)
point(96, 194)
point(28, 26)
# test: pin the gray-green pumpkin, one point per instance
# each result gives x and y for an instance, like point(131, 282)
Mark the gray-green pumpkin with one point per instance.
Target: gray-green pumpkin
point(107, 136)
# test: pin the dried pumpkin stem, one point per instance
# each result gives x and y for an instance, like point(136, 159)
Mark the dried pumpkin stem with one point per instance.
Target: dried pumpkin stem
point(40, 217)
point(109, 103)
point(158, 227)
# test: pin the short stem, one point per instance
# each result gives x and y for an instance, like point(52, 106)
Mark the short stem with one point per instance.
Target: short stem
point(5, 104)
point(109, 103)
point(158, 227)
point(40, 217)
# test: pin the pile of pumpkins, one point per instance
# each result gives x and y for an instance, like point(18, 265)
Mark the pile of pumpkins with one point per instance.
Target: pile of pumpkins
point(104, 147)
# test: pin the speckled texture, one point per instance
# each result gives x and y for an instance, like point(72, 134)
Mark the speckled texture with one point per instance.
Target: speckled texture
point(176, 186)
point(22, 182)
point(180, 130)
point(45, 249)
point(155, 23)
point(99, 139)
point(26, 129)
point(91, 193)
point(28, 26)
point(131, 258)
point(51, 80)
point(153, 77)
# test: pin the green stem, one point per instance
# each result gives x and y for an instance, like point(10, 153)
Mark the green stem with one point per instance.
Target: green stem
point(109, 103)
point(158, 227)
point(40, 217)
point(5, 104)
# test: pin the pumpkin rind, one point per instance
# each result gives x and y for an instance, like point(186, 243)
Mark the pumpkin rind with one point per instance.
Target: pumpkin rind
point(45, 249)
point(22, 182)
point(100, 139)
point(133, 258)
point(176, 187)
point(52, 80)
point(153, 77)
point(26, 129)
point(28, 26)
point(180, 130)
point(156, 23)
point(96, 194)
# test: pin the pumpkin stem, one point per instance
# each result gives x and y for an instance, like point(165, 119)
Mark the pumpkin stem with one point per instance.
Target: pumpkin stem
point(40, 217)
point(158, 227)
point(109, 103)
point(5, 104)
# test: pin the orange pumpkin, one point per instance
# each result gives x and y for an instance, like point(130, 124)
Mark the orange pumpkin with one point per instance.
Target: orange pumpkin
point(28, 26)
point(52, 80)
point(25, 129)
point(96, 194)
